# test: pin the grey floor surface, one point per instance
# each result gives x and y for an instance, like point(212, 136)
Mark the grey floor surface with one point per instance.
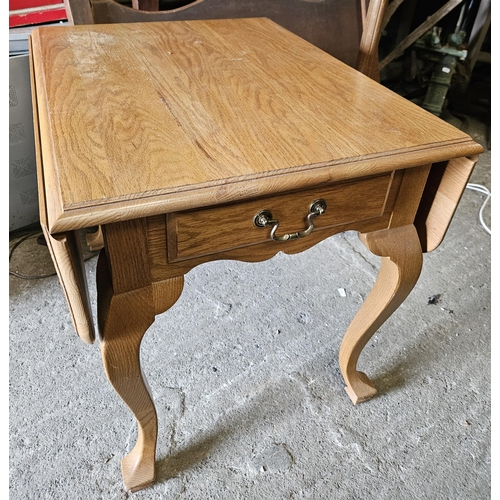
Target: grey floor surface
point(244, 372)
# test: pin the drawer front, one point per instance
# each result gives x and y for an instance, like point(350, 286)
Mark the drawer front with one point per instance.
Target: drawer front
point(207, 231)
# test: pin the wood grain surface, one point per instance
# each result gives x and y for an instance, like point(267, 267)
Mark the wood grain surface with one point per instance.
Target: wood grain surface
point(212, 230)
point(143, 118)
point(333, 25)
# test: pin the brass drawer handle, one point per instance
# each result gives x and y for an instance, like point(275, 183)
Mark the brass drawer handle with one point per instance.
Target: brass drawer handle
point(265, 218)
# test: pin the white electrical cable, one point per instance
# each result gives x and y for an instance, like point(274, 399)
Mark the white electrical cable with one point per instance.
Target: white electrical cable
point(484, 190)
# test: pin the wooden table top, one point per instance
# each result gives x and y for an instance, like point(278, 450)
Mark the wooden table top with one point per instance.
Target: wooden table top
point(144, 118)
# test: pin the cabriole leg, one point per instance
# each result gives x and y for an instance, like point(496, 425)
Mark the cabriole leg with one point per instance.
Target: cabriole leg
point(401, 265)
point(123, 321)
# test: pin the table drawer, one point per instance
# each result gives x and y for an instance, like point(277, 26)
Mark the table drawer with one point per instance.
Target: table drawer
point(211, 230)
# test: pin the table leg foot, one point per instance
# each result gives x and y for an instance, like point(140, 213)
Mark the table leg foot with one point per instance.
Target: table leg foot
point(361, 388)
point(138, 473)
point(401, 265)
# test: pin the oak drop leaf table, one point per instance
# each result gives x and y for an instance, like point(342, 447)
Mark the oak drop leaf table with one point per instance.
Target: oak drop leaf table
point(191, 141)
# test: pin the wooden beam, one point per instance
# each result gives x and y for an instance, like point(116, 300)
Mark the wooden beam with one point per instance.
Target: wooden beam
point(391, 8)
point(421, 30)
point(478, 32)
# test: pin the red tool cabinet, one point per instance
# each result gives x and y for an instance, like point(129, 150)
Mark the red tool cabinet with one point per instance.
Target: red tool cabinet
point(28, 12)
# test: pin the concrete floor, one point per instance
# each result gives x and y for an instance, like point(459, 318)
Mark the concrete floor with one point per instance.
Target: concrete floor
point(244, 373)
